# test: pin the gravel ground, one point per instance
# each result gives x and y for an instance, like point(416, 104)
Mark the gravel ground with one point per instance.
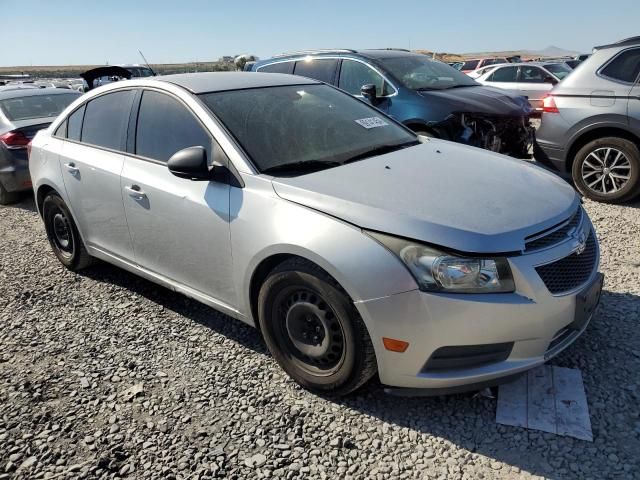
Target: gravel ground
point(105, 375)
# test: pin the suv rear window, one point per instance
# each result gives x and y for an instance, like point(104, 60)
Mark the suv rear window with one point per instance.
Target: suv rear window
point(322, 69)
point(36, 106)
point(625, 67)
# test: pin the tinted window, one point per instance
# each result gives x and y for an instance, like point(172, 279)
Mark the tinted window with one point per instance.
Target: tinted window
point(282, 67)
point(470, 65)
point(353, 75)
point(106, 119)
point(506, 74)
point(530, 74)
point(303, 123)
point(74, 124)
point(625, 67)
point(560, 70)
point(36, 106)
point(61, 131)
point(321, 69)
point(165, 126)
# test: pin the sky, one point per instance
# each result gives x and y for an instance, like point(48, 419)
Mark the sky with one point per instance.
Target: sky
point(74, 32)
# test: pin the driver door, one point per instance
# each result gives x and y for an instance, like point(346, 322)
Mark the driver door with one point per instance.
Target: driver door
point(179, 227)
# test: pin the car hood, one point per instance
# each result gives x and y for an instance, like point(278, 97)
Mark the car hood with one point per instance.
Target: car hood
point(439, 192)
point(480, 99)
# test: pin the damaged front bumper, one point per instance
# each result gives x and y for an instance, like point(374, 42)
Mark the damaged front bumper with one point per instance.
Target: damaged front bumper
point(512, 136)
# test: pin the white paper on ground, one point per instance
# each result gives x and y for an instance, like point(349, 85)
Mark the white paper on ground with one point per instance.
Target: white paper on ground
point(551, 399)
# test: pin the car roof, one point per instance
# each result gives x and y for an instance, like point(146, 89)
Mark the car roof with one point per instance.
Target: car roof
point(373, 54)
point(622, 43)
point(31, 92)
point(221, 81)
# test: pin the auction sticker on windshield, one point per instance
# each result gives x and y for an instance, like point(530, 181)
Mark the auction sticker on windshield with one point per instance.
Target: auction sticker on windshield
point(371, 122)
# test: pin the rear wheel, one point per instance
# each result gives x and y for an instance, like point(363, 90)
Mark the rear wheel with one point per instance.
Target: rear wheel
point(608, 170)
point(63, 234)
point(313, 330)
point(7, 198)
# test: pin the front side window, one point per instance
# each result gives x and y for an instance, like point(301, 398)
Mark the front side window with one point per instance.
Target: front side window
point(166, 126)
point(305, 126)
point(322, 69)
point(530, 74)
point(506, 74)
point(106, 119)
point(36, 106)
point(353, 75)
point(280, 67)
point(625, 67)
point(560, 70)
point(417, 72)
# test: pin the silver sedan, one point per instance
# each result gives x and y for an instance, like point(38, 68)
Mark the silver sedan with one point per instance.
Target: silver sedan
point(353, 245)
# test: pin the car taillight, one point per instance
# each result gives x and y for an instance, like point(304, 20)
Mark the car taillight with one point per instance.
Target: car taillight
point(14, 140)
point(549, 105)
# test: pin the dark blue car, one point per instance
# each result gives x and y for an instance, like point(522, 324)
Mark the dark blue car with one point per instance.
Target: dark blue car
point(428, 96)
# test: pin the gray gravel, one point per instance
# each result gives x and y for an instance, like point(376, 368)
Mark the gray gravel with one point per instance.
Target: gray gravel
point(105, 375)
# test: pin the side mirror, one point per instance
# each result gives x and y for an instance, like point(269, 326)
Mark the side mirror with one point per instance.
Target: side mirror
point(368, 91)
point(190, 163)
point(550, 79)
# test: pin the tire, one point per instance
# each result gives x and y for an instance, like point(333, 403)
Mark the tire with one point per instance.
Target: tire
point(7, 198)
point(63, 235)
point(605, 157)
point(313, 330)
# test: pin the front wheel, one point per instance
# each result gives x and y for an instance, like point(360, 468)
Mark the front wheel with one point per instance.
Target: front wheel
point(63, 235)
point(313, 330)
point(608, 170)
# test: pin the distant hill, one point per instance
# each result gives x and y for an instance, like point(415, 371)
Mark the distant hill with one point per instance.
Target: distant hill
point(550, 51)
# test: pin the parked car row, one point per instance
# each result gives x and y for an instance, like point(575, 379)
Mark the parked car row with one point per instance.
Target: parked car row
point(353, 244)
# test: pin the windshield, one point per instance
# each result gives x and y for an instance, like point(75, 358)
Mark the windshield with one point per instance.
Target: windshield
point(419, 73)
point(36, 106)
point(560, 70)
point(137, 72)
point(315, 125)
point(470, 65)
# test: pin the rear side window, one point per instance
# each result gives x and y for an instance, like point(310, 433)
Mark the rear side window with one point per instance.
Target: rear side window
point(506, 74)
point(106, 119)
point(322, 69)
point(532, 75)
point(166, 126)
point(281, 67)
point(625, 67)
point(74, 124)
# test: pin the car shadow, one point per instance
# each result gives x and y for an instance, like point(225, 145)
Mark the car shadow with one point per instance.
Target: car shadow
point(468, 420)
point(26, 202)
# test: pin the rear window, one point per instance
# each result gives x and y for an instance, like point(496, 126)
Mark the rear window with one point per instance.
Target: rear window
point(322, 69)
point(625, 67)
point(281, 67)
point(470, 65)
point(106, 119)
point(36, 106)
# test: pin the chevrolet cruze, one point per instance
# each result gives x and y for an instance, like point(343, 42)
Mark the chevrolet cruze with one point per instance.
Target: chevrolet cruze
point(352, 244)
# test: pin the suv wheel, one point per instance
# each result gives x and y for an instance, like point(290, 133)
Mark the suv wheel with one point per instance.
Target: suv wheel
point(63, 234)
point(313, 330)
point(608, 170)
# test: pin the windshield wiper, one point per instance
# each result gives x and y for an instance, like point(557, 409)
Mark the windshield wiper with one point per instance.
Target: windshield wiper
point(380, 150)
point(462, 86)
point(302, 166)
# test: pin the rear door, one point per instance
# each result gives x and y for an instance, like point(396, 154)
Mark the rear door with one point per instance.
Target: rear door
point(91, 160)
point(532, 84)
point(505, 78)
point(179, 227)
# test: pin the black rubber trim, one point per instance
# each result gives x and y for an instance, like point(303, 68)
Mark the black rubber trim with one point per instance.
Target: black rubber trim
point(467, 356)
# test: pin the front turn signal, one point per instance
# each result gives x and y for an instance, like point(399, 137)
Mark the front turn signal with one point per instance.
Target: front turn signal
point(394, 345)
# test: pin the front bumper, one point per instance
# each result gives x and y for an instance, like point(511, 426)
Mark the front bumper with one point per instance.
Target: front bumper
point(525, 328)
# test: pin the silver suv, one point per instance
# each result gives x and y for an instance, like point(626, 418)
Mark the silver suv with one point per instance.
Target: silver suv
point(354, 245)
point(591, 124)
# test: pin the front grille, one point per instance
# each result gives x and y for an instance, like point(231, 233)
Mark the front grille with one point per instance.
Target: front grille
point(554, 235)
point(570, 272)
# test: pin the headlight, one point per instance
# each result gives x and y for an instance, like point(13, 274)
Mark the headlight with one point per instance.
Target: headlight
point(435, 270)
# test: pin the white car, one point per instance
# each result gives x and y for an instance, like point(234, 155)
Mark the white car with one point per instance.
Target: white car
point(531, 79)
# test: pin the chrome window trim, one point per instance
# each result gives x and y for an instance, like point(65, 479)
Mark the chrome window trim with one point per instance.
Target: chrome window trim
point(338, 57)
point(616, 80)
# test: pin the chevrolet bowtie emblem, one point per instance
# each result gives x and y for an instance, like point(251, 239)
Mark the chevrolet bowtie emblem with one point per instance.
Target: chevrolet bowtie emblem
point(581, 239)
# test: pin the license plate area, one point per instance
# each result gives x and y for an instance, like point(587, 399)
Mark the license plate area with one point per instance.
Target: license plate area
point(587, 302)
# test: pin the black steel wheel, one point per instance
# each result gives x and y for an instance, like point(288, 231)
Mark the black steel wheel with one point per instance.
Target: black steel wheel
point(63, 234)
point(313, 330)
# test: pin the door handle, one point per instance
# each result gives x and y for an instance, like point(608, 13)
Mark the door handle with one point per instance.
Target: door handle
point(71, 168)
point(135, 192)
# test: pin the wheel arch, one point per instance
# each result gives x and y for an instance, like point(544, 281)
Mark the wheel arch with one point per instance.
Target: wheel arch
point(41, 193)
point(593, 134)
